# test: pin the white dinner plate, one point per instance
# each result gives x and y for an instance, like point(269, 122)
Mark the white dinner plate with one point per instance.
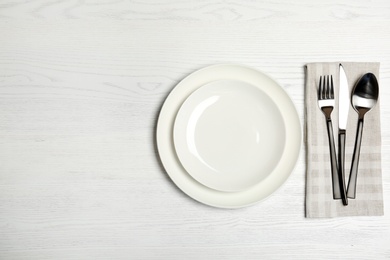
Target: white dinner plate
point(229, 135)
point(272, 93)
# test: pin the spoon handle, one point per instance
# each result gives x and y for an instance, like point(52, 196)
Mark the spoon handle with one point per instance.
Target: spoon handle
point(341, 166)
point(351, 193)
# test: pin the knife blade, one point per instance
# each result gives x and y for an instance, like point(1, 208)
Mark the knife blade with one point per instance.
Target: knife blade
point(344, 104)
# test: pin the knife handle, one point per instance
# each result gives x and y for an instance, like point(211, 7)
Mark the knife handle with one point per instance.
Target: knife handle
point(351, 193)
point(341, 166)
point(333, 161)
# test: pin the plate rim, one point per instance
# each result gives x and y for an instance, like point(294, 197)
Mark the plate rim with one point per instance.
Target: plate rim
point(168, 156)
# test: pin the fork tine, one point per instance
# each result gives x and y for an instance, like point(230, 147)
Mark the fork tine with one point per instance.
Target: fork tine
point(328, 89)
point(320, 89)
point(326, 84)
point(331, 87)
point(323, 87)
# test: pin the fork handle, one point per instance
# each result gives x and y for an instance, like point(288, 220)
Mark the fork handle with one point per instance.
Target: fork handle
point(342, 166)
point(333, 161)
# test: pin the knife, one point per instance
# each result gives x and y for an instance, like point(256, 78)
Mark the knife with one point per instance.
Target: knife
point(343, 118)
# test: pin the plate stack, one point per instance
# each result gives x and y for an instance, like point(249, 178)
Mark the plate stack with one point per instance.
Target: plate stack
point(228, 136)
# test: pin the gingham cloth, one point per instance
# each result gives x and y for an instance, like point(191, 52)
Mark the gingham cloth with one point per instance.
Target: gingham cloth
point(369, 192)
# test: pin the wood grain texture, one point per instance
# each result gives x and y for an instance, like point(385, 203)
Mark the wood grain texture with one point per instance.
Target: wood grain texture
point(81, 85)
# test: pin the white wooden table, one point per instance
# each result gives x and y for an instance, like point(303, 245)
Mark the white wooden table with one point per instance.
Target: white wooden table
point(81, 85)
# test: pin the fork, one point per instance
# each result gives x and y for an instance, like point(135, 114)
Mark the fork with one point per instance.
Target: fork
point(326, 103)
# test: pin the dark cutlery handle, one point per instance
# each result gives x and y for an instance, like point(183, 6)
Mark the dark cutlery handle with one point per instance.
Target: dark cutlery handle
point(351, 193)
point(333, 161)
point(341, 166)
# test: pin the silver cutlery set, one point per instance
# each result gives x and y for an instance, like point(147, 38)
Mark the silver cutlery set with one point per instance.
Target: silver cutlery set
point(363, 97)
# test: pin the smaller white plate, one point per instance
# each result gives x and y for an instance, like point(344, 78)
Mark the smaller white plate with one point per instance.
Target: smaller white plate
point(229, 135)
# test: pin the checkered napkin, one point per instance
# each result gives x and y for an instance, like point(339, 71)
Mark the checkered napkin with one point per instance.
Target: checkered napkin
point(369, 194)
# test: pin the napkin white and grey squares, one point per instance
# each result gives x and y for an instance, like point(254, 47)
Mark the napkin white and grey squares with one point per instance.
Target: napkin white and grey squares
point(369, 192)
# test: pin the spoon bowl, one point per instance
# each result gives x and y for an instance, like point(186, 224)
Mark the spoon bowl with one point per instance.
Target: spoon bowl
point(364, 98)
point(365, 94)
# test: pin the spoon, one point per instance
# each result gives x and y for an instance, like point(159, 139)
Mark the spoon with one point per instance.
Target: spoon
point(364, 97)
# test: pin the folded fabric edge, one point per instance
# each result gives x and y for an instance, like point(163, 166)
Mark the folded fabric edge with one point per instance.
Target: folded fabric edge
point(306, 146)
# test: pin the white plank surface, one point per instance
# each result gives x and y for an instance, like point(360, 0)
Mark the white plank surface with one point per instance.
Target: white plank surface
point(81, 85)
